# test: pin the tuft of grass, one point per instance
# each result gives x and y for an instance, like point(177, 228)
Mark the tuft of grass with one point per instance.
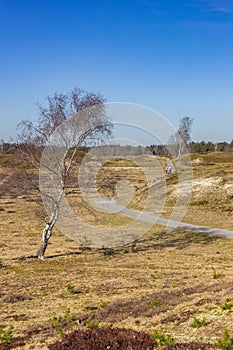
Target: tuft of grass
point(58, 323)
point(90, 308)
point(104, 304)
point(197, 323)
point(226, 342)
point(227, 305)
point(6, 334)
point(154, 303)
point(217, 275)
point(108, 251)
point(71, 289)
point(163, 339)
point(126, 251)
point(92, 324)
point(1, 263)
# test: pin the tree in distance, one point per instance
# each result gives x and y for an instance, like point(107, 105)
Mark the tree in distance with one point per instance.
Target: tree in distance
point(180, 141)
point(77, 119)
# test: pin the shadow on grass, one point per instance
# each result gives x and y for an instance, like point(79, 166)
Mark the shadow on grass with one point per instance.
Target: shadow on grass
point(179, 239)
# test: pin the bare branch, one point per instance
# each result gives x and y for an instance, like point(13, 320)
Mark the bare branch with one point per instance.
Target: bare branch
point(66, 123)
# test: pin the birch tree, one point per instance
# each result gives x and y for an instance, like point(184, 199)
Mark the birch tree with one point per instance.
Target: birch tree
point(88, 125)
point(180, 141)
point(184, 130)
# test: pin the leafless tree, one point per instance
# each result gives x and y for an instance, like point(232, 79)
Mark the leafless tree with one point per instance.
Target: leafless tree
point(185, 128)
point(1, 146)
point(76, 119)
point(180, 141)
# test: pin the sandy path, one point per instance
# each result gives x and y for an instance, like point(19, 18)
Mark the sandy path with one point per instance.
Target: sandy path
point(112, 206)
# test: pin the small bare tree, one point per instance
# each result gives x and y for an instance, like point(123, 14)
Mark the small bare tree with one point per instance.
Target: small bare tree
point(1, 146)
point(184, 130)
point(180, 141)
point(77, 119)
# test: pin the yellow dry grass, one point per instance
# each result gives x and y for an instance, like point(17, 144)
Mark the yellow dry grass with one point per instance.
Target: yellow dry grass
point(196, 269)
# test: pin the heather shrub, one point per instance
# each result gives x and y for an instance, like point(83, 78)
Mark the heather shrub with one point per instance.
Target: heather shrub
point(105, 338)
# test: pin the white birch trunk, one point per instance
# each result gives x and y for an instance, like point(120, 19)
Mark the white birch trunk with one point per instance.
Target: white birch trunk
point(47, 232)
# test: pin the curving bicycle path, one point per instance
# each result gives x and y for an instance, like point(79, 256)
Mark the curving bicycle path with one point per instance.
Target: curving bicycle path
point(111, 205)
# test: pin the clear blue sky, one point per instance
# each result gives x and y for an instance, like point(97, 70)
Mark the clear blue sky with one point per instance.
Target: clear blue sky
point(175, 56)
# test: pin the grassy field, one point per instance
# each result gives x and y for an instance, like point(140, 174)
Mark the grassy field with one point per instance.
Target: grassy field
point(179, 284)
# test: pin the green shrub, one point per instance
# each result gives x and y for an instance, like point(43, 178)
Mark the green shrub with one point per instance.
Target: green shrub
point(226, 342)
point(163, 339)
point(1, 263)
point(126, 251)
point(227, 305)
point(108, 251)
point(217, 275)
point(6, 334)
point(92, 324)
point(58, 323)
point(154, 303)
point(197, 323)
point(104, 304)
point(71, 289)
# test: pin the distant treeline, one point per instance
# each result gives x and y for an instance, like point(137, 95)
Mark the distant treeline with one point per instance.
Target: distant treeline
point(114, 150)
point(160, 150)
point(8, 148)
point(205, 147)
point(195, 147)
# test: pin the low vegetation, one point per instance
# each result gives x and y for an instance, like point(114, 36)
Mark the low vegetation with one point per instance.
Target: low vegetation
point(105, 338)
point(225, 342)
point(6, 333)
point(166, 290)
point(227, 305)
point(163, 339)
point(198, 322)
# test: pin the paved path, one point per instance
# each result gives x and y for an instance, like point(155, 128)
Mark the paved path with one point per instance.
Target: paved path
point(112, 206)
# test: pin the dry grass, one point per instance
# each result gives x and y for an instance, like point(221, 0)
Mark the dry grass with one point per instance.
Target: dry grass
point(161, 282)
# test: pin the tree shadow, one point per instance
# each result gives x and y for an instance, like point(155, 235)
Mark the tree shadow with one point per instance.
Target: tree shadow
point(179, 239)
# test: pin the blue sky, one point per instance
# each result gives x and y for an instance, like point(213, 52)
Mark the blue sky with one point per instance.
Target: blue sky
point(172, 56)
